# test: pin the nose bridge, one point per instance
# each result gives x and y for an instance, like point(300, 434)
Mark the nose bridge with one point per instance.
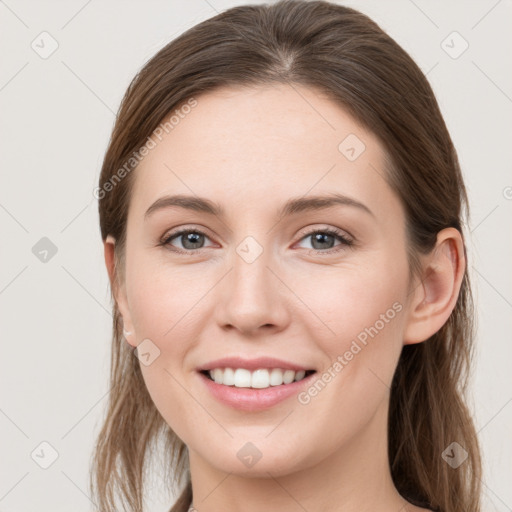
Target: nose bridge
point(250, 271)
point(254, 297)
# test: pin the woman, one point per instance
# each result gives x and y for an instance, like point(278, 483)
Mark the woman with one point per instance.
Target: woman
point(282, 213)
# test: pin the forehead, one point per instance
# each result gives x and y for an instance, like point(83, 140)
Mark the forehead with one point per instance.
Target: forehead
point(240, 145)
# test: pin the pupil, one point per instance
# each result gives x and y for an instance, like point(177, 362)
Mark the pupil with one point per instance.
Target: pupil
point(320, 237)
point(192, 238)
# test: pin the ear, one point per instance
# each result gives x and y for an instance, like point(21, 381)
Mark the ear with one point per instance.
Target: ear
point(435, 295)
point(118, 289)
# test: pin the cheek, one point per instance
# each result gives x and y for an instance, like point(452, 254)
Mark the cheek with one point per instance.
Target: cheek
point(165, 308)
point(349, 301)
point(164, 300)
point(367, 317)
point(364, 308)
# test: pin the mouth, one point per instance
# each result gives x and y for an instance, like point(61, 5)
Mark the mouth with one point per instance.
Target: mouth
point(256, 390)
point(262, 378)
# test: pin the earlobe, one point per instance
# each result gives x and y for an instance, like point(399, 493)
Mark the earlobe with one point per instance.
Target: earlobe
point(436, 294)
point(118, 289)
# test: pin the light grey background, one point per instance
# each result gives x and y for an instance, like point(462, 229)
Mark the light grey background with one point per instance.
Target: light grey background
point(56, 117)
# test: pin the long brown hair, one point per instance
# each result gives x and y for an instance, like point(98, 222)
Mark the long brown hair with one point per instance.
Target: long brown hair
point(346, 55)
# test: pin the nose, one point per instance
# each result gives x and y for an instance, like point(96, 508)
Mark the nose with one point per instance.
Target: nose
point(253, 298)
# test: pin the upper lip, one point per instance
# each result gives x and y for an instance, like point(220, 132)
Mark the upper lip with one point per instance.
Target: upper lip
point(252, 364)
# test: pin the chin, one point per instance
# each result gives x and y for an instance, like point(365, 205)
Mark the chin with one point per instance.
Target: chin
point(257, 460)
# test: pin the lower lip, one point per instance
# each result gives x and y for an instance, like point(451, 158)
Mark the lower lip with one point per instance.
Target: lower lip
point(250, 399)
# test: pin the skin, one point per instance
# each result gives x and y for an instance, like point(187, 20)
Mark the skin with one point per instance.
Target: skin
point(251, 150)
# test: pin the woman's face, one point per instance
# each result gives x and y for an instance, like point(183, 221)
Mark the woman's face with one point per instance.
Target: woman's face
point(255, 281)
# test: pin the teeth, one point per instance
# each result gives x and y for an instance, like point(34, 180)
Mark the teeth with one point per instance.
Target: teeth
point(259, 379)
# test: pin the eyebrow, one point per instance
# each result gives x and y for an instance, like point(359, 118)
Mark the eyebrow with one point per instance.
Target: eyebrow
point(291, 207)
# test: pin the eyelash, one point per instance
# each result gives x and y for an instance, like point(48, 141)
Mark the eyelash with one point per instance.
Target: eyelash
point(345, 242)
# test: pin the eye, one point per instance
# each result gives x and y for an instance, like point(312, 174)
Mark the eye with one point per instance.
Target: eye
point(191, 240)
point(323, 240)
